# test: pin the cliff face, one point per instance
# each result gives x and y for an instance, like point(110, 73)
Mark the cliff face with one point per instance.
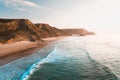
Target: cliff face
point(91, 33)
point(14, 30)
point(48, 31)
point(81, 32)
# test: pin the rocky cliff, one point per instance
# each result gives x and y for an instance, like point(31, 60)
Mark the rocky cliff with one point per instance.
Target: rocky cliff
point(81, 32)
point(49, 31)
point(14, 30)
point(91, 33)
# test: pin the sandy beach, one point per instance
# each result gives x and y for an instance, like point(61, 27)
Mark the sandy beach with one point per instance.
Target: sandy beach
point(11, 52)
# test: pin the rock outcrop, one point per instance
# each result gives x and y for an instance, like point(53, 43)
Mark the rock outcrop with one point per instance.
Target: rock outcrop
point(81, 32)
point(91, 33)
point(14, 30)
point(49, 31)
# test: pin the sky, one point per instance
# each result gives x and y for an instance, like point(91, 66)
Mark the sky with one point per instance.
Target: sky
point(101, 16)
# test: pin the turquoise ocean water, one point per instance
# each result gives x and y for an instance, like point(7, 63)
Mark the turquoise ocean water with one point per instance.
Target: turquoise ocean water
point(73, 58)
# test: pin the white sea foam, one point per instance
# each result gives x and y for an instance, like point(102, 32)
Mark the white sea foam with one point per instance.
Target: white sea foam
point(50, 58)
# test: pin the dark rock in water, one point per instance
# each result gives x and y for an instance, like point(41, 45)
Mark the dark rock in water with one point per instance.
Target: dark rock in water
point(14, 30)
point(49, 31)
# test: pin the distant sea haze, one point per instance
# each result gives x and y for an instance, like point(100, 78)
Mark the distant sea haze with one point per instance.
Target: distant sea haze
point(79, 58)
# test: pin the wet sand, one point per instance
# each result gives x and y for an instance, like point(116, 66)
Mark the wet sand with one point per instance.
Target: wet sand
point(11, 52)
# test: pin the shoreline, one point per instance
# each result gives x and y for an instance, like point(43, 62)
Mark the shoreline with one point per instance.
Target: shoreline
point(22, 49)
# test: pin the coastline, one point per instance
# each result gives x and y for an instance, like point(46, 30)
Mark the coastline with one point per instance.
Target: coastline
point(18, 50)
point(14, 69)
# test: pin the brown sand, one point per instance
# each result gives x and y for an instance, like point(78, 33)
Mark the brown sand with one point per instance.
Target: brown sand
point(10, 52)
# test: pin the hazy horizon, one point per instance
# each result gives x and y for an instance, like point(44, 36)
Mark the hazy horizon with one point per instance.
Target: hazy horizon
point(101, 16)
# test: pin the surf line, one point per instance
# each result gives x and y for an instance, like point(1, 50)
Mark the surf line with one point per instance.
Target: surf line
point(35, 66)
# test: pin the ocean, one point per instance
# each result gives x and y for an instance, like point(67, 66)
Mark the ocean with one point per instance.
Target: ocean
point(95, 57)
